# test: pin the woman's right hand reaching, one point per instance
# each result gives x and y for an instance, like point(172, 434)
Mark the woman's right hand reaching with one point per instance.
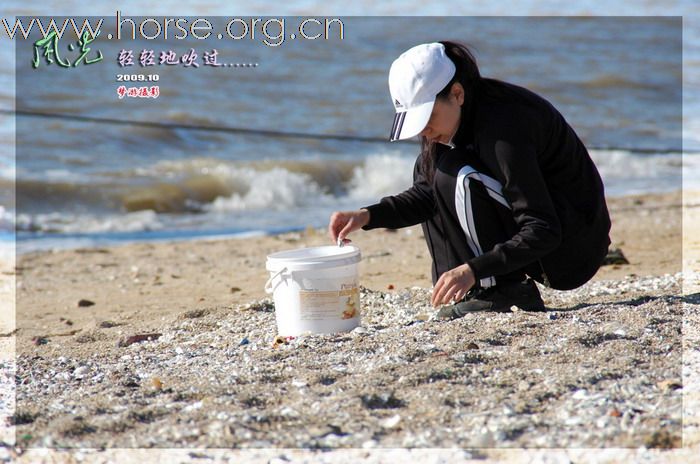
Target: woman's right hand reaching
point(344, 222)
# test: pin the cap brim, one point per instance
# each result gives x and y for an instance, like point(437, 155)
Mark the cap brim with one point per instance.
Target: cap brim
point(410, 123)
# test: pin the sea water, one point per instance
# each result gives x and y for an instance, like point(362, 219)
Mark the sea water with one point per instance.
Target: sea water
point(618, 81)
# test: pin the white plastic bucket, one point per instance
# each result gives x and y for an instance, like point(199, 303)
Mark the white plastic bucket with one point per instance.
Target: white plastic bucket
point(315, 289)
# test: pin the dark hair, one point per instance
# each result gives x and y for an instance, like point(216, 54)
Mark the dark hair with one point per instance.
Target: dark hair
point(467, 74)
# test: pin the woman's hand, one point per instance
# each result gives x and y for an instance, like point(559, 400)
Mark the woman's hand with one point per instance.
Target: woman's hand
point(344, 222)
point(453, 285)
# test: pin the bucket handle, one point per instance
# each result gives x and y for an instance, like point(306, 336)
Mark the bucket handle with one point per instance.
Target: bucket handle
point(268, 284)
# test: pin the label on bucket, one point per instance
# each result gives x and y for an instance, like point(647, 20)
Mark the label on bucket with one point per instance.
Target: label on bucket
point(343, 304)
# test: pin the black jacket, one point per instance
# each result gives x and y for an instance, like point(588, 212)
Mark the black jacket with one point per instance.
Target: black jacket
point(554, 189)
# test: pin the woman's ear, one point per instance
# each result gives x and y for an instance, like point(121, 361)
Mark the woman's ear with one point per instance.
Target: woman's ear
point(457, 91)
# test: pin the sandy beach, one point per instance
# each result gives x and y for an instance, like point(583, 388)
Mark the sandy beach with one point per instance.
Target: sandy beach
point(613, 366)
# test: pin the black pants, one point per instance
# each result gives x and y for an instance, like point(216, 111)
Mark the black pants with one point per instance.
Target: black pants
point(472, 218)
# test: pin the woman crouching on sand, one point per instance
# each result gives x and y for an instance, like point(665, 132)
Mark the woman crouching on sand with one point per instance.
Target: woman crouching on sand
point(503, 187)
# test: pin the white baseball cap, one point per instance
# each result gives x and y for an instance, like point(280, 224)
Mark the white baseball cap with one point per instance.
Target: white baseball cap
point(415, 79)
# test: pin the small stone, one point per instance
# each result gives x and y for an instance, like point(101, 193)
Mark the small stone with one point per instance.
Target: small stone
point(40, 340)
point(279, 340)
point(390, 287)
point(80, 372)
point(669, 385)
point(662, 439)
point(472, 346)
point(382, 401)
point(245, 341)
point(194, 314)
point(85, 303)
point(615, 256)
point(157, 383)
point(137, 339)
point(614, 413)
point(235, 289)
point(279, 460)
point(107, 324)
point(85, 338)
point(194, 406)
point(391, 422)
point(130, 382)
point(289, 412)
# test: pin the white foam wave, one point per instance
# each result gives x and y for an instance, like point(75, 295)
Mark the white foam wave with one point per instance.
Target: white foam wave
point(691, 172)
point(280, 189)
point(381, 175)
point(276, 189)
point(622, 163)
point(68, 223)
point(7, 219)
point(624, 172)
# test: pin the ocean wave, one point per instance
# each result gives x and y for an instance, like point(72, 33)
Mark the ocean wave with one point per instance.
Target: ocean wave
point(202, 192)
point(7, 219)
point(204, 184)
point(276, 189)
point(70, 223)
point(329, 174)
point(48, 194)
point(209, 184)
point(296, 184)
point(622, 165)
point(381, 175)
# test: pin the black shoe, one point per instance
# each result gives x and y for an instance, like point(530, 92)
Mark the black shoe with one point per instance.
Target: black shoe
point(498, 298)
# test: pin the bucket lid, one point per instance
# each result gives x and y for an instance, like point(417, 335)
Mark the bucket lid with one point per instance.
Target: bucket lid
point(303, 259)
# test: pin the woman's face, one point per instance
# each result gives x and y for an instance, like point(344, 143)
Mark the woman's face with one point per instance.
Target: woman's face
point(444, 120)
